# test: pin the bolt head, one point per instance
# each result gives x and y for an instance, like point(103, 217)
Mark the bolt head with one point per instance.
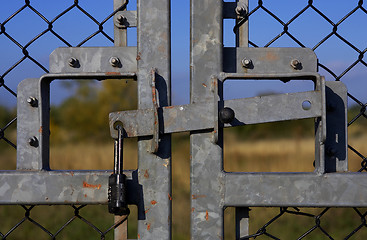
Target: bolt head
point(295, 63)
point(246, 62)
point(114, 61)
point(32, 101)
point(33, 141)
point(240, 11)
point(73, 62)
point(121, 19)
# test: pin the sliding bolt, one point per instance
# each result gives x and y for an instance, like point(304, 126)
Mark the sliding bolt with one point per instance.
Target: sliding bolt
point(32, 101)
point(247, 63)
point(115, 61)
point(73, 62)
point(295, 64)
point(33, 141)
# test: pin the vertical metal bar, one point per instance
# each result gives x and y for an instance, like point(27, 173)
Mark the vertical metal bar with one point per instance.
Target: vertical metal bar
point(120, 39)
point(207, 185)
point(242, 38)
point(242, 222)
point(242, 35)
point(120, 34)
point(154, 173)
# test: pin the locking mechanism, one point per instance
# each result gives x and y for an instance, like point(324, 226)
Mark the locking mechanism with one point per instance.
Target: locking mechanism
point(117, 203)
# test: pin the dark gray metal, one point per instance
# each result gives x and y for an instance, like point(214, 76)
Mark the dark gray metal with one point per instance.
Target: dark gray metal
point(336, 147)
point(94, 60)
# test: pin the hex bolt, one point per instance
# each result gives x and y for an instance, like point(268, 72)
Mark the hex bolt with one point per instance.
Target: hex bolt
point(33, 141)
point(246, 62)
point(32, 101)
point(73, 62)
point(226, 115)
point(114, 61)
point(121, 19)
point(240, 11)
point(295, 63)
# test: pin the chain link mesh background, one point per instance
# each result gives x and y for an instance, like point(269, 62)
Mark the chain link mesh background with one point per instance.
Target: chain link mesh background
point(26, 25)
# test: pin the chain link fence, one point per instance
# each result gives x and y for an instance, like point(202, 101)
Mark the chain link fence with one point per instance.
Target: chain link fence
point(24, 28)
point(330, 28)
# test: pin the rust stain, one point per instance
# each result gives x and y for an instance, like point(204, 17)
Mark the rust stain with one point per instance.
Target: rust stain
point(146, 211)
point(270, 56)
point(169, 107)
point(87, 185)
point(138, 236)
point(72, 173)
point(192, 209)
point(169, 197)
point(146, 174)
point(198, 196)
point(85, 195)
point(207, 216)
point(153, 202)
point(204, 85)
point(40, 130)
point(148, 227)
point(138, 57)
point(112, 73)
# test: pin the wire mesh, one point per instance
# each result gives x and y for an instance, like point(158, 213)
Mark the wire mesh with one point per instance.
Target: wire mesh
point(335, 31)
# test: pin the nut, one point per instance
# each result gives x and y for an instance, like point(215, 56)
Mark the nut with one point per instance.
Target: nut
point(73, 62)
point(121, 19)
point(295, 64)
point(240, 11)
point(33, 141)
point(32, 101)
point(246, 62)
point(115, 61)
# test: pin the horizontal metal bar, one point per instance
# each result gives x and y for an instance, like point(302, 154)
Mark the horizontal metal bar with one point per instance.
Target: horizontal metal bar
point(60, 187)
point(93, 59)
point(199, 116)
point(274, 108)
point(296, 189)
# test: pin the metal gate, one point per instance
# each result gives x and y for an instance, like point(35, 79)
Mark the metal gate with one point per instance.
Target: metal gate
point(212, 188)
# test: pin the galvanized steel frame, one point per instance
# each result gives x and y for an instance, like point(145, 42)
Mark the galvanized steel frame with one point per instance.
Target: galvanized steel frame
point(212, 189)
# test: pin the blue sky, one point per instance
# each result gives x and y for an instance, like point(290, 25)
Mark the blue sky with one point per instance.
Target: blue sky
point(310, 28)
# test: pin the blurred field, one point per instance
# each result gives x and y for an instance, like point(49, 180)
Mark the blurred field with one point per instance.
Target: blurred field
point(270, 155)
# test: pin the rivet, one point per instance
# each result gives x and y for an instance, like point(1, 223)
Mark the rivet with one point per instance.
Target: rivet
point(115, 62)
point(246, 62)
point(73, 62)
point(32, 101)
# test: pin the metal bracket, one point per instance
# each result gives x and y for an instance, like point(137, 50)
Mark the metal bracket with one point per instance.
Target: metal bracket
point(94, 60)
point(269, 60)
